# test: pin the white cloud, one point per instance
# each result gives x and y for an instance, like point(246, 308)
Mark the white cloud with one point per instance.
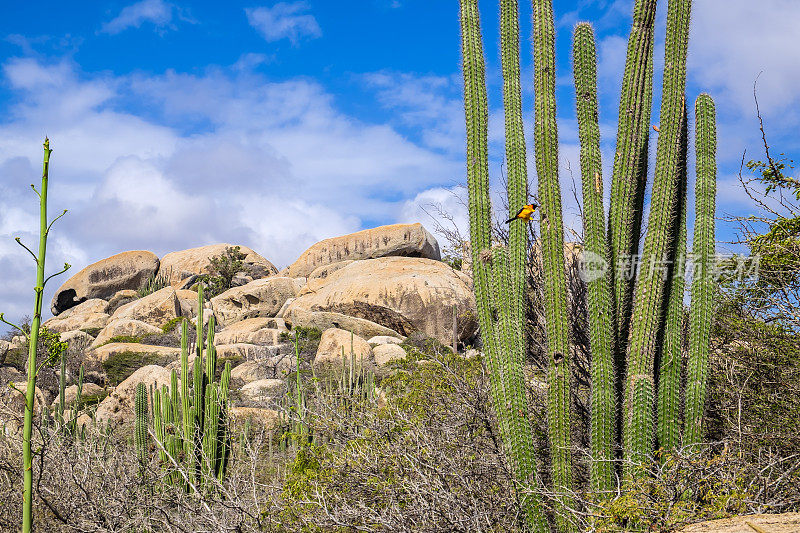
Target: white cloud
point(733, 41)
point(284, 20)
point(157, 12)
point(271, 165)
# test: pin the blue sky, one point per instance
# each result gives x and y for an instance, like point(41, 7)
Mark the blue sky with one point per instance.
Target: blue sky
point(275, 125)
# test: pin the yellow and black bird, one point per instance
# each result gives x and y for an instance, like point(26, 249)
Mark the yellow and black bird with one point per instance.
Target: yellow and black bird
point(524, 213)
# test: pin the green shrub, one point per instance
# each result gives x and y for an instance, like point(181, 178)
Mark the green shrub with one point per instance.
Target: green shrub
point(172, 324)
point(123, 338)
point(119, 367)
point(223, 269)
point(49, 351)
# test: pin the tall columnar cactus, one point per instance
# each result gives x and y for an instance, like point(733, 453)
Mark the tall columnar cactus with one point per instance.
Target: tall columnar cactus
point(552, 234)
point(703, 254)
point(670, 361)
point(626, 334)
point(191, 426)
point(647, 317)
point(499, 313)
point(517, 183)
point(599, 291)
point(142, 421)
point(629, 176)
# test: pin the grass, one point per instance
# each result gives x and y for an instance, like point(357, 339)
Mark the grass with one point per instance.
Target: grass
point(119, 367)
point(171, 324)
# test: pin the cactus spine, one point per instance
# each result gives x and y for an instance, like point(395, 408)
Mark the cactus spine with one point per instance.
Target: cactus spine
point(490, 269)
point(670, 358)
point(599, 292)
point(647, 318)
point(552, 235)
point(703, 253)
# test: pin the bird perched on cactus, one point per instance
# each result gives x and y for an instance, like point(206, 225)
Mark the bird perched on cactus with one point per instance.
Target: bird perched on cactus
point(524, 213)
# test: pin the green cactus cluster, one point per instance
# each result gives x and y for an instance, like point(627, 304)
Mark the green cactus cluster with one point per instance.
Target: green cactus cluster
point(190, 426)
point(635, 311)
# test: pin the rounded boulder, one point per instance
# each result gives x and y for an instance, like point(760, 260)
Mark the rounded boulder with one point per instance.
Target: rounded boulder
point(103, 279)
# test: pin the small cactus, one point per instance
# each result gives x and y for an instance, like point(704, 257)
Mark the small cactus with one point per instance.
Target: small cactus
point(191, 426)
point(142, 422)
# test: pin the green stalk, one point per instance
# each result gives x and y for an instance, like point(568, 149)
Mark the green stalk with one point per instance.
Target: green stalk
point(700, 314)
point(670, 360)
point(78, 398)
point(185, 396)
point(62, 385)
point(629, 175)
point(141, 423)
point(647, 318)
point(211, 352)
point(33, 342)
point(199, 325)
point(599, 293)
point(629, 180)
point(513, 426)
point(517, 186)
point(554, 274)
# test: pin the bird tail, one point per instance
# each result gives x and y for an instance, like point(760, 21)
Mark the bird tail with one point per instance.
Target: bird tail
point(510, 220)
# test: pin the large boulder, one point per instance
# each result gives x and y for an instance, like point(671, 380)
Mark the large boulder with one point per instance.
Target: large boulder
point(128, 270)
point(121, 298)
point(260, 418)
point(5, 347)
point(259, 330)
point(386, 353)
point(262, 390)
point(95, 305)
point(117, 349)
point(124, 327)
point(242, 351)
point(402, 294)
point(77, 322)
point(279, 366)
point(118, 407)
point(323, 320)
point(76, 339)
point(409, 240)
point(259, 298)
point(337, 342)
point(186, 263)
point(188, 302)
point(71, 393)
point(155, 309)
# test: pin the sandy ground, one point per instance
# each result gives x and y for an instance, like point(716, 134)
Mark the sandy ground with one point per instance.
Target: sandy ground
point(757, 523)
